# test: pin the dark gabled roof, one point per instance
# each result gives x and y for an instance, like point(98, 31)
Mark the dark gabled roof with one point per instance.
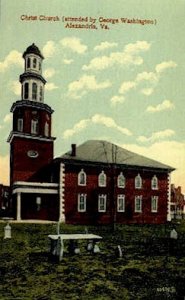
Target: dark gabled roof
point(33, 49)
point(98, 151)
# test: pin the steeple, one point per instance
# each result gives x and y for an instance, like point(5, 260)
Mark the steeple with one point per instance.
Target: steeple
point(31, 141)
point(32, 80)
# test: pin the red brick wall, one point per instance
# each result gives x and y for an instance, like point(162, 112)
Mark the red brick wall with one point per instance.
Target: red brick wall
point(24, 167)
point(92, 216)
point(27, 115)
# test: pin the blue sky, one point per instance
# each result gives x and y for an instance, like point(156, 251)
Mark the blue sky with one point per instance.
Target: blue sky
point(124, 84)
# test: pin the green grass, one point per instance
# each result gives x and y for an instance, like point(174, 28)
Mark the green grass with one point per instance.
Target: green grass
point(149, 269)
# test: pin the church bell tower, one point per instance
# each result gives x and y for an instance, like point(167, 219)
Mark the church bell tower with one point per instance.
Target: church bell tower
point(31, 143)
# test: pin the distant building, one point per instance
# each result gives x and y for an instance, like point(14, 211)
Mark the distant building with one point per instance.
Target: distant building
point(4, 199)
point(94, 183)
point(177, 205)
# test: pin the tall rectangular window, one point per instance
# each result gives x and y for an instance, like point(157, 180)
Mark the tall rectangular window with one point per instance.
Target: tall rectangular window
point(20, 124)
point(26, 90)
point(34, 91)
point(34, 126)
point(121, 203)
point(154, 204)
point(82, 202)
point(138, 204)
point(41, 93)
point(102, 203)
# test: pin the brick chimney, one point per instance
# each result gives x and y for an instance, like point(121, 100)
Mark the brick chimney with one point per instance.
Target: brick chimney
point(73, 150)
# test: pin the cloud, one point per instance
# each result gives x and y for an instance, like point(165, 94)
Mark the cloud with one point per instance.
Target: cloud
point(48, 73)
point(51, 86)
point(15, 87)
point(165, 65)
point(146, 76)
point(4, 169)
point(68, 61)
point(104, 45)
point(126, 86)
point(129, 56)
point(117, 99)
point(173, 154)
point(110, 123)
point(159, 135)
point(7, 118)
point(76, 128)
point(12, 59)
point(74, 44)
point(49, 49)
point(165, 105)
point(134, 48)
point(96, 119)
point(151, 78)
point(78, 88)
point(147, 91)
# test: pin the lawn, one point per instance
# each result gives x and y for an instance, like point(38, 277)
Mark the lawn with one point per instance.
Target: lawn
point(149, 269)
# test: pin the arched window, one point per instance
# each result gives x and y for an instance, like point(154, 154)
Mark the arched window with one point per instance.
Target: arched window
point(26, 90)
point(28, 62)
point(34, 63)
point(82, 178)
point(34, 91)
point(121, 180)
point(102, 178)
point(154, 183)
point(46, 129)
point(39, 65)
point(34, 126)
point(138, 182)
point(41, 93)
point(20, 124)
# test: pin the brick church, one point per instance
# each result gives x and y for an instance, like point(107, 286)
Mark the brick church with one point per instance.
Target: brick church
point(93, 183)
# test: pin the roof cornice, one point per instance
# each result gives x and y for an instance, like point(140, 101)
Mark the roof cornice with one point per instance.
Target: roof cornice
point(33, 104)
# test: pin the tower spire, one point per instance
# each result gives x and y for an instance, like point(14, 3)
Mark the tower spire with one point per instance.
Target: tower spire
point(32, 80)
point(31, 141)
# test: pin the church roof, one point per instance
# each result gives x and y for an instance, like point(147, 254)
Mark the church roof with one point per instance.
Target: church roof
point(105, 152)
point(33, 49)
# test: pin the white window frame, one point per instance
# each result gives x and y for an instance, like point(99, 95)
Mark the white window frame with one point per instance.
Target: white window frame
point(82, 202)
point(41, 93)
point(121, 181)
point(156, 199)
point(136, 209)
point(138, 182)
point(34, 63)
point(34, 126)
point(20, 124)
point(80, 174)
point(34, 91)
point(26, 90)
point(102, 179)
point(102, 206)
point(46, 129)
point(154, 183)
point(121, 198)
point(28, 63)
